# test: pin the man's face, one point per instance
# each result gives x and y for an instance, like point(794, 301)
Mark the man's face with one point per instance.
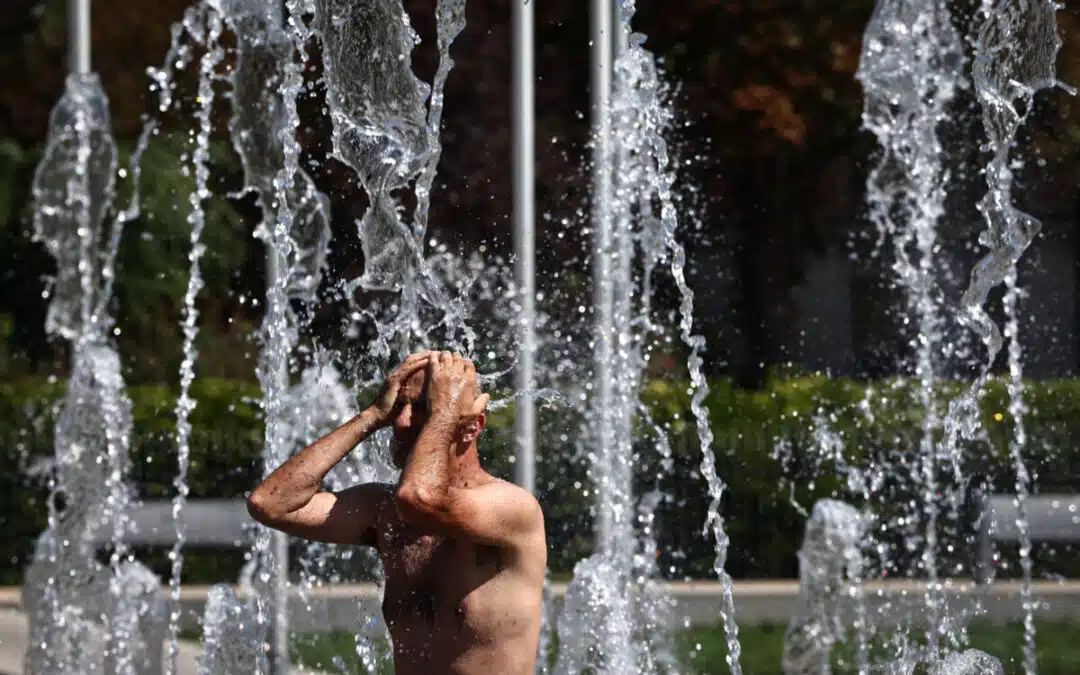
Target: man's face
point(410, 417)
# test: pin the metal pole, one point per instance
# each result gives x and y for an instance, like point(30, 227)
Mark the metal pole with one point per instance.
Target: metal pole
point(525, 239)
point(79, 31)
point(279, 541)
point(601, 31)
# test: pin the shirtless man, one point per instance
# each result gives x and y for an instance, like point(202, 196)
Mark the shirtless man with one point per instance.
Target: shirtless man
point(464, 553)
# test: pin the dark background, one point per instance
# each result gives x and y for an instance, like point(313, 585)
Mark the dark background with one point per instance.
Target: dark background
point(775, 166)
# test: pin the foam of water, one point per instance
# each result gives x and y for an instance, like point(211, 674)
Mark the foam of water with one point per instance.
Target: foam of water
point(971, 662)
point(231, 639)
point(603, 626)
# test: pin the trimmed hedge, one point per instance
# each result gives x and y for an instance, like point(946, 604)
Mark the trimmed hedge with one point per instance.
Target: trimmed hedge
point(767, 449)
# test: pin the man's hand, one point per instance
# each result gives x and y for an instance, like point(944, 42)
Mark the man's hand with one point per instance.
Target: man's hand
point(386, 405)
point(452, 389)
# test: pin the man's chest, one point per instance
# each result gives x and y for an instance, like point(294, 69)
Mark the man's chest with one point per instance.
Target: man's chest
point(431, 576)
point(413, 557)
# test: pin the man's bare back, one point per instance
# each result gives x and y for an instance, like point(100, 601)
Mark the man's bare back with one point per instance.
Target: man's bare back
point(464, 553)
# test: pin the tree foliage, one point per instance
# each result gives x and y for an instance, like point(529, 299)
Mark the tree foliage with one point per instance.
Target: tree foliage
point(769, 133)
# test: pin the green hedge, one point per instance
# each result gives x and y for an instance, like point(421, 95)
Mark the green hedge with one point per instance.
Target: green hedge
point(759, 506)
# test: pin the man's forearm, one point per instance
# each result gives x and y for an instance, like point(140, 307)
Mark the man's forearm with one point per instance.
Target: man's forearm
point(292, 485)
point(426, 476)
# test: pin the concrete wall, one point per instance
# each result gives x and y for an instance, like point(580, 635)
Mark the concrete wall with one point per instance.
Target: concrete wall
point(353, 607)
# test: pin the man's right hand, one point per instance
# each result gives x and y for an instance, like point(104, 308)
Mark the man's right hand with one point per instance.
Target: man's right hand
point(386, 405)
point(451, 388)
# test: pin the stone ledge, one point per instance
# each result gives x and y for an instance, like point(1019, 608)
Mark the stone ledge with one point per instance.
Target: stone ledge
point(356, 606)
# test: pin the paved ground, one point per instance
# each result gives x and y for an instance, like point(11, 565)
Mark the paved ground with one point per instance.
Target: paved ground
point(13, 636)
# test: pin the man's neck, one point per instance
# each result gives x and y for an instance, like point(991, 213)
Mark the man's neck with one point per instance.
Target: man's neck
point(465, 469)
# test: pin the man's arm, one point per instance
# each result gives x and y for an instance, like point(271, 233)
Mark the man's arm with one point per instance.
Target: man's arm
point(290, 499)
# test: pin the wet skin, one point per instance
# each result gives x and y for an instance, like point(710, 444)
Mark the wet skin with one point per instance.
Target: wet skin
point(464, 553)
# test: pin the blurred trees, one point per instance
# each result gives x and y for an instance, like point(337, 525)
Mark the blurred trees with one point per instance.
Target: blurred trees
point(769, 131)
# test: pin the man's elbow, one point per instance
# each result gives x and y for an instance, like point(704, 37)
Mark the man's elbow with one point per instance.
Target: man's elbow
point(261, 508)
point(417, 503)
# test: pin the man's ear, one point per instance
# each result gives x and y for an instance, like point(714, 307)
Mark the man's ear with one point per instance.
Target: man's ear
point(473, 427)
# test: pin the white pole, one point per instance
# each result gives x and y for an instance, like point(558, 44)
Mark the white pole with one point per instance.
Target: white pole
point(525, 240)
point(601, 31)
point(279, 541)
point(79, 31)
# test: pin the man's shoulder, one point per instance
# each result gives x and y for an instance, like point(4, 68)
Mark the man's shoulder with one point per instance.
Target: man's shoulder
point(512, 495)
point(509, 489)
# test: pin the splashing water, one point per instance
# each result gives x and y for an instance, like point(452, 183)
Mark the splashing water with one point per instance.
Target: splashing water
point(66, 588)
point(387, 135)
point(231, 640)
point(1016, 52)
point(644, 99)
point(830, 571)
point(911, 68)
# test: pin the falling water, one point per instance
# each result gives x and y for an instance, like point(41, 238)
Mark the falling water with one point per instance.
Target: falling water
point(614, 615)
point(387, 135)
point(203, 24)
point(295, 228)
point(911, 68)
point(66, 589)
point(1016, 52)
point(637, 68)
point(313, 407)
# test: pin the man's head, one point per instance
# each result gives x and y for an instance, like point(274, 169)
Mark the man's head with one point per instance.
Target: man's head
point(411, 414)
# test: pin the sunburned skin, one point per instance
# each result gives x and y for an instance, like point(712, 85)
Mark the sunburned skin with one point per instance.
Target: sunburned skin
point(464, 553)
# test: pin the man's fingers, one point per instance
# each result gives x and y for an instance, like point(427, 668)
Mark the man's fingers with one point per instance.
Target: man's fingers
point(410, 368)
point(412, 364)
point(480, 404)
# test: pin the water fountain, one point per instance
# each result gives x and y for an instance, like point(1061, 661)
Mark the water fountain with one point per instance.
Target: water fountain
point(68, 593)
point(911, 69)
point(615, 612)
point(830, 574)
point(386, 130)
